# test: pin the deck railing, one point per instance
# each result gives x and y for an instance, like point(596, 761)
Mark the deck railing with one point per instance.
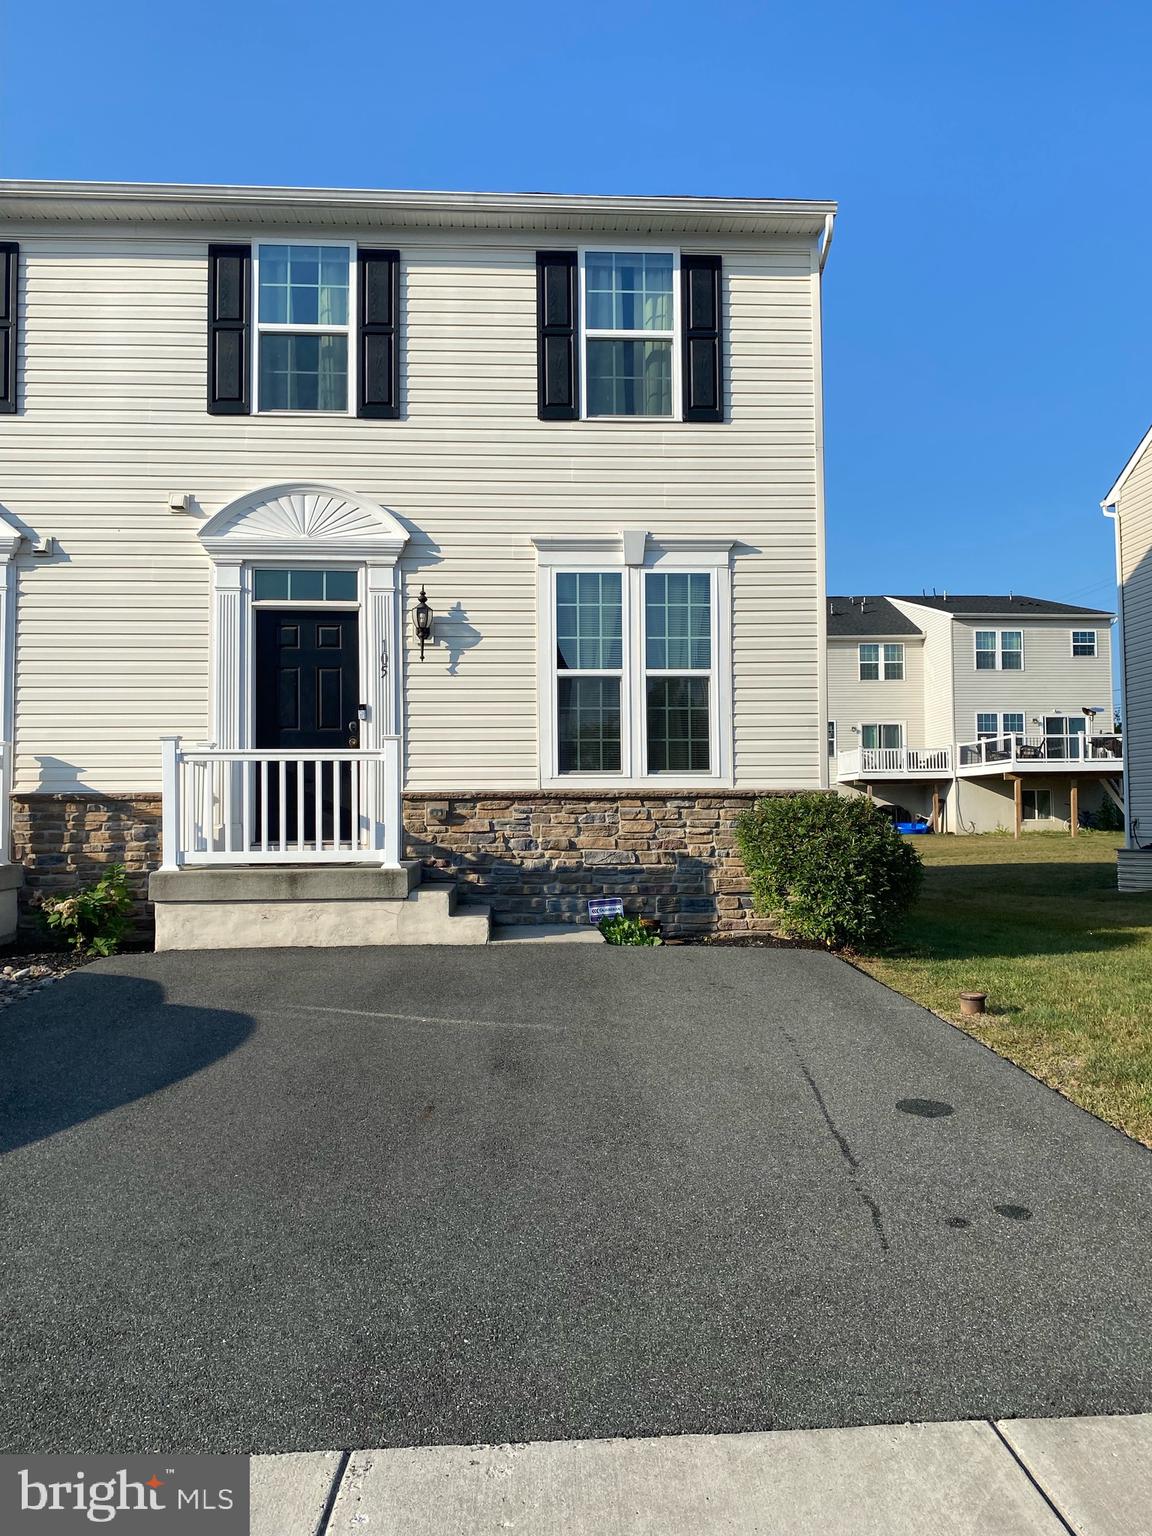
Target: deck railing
point(876, 762)
point(280, 806)
point(1007, 751)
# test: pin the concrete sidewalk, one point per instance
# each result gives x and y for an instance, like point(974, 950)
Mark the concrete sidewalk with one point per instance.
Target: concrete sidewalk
point(1017, 1477)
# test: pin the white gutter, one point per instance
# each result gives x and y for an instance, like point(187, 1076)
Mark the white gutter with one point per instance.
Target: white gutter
point(1112, 509)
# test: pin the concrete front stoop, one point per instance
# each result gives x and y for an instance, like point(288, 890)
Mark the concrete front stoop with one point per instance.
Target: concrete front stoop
point(308, 906)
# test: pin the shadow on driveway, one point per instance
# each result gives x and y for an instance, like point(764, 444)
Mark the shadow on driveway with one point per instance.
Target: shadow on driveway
point(108, 1041)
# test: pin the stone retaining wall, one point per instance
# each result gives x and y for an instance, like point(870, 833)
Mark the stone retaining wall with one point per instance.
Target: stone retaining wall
point(534, 857)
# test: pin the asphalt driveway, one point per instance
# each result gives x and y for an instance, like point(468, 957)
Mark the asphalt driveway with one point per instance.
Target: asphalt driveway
point(301, 1199)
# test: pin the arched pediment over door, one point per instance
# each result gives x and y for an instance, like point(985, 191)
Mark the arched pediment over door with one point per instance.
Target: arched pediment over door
point(310, 526)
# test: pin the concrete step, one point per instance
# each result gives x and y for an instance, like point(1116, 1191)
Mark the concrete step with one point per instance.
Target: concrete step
point(301, 906)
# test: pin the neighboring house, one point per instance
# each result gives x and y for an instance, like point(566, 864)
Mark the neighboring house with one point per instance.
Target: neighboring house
point(247, 428)
point(973, 712)
point(1129, 504)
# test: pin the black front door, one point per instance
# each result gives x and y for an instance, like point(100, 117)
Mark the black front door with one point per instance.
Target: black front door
point(307, 698)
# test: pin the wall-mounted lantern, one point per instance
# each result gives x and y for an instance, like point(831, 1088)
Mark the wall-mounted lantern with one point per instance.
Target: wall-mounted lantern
point(422, 619)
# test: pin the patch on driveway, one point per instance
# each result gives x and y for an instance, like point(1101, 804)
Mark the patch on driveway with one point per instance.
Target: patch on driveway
point(301, 1199)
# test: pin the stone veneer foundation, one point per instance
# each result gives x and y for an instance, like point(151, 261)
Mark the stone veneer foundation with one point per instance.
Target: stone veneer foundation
point(535, 856)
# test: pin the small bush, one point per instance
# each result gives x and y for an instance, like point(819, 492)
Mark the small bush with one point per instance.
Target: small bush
point(830, 868)
point(627, 930)
point(95, 919)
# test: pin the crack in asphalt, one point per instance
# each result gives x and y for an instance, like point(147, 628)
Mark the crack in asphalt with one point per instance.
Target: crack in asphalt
point(851, 1161)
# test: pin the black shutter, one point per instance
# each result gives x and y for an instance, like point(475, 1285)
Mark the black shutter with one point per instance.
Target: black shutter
point(378, 356)
point(9, 323)
point(229, 323)
point(557, 372)
point(701, 287)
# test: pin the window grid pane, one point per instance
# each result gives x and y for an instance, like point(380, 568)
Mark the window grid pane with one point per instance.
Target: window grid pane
point(893, 663)
point(589, 724)
point(985, 650)
point(869, 663)
point(629, 378)
point(678, 734)
point(1013, 724)
point(678, 622)
point(987, 725)
point(303, 373)
point(589, 621)
point(303, 285)
point(304, 585)
point(1083, 642)
point(628, 290)
point(1012, 650)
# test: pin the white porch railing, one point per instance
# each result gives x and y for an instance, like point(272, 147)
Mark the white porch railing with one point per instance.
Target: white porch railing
point(1008, 751)
point(281, 807)
point(877, 762)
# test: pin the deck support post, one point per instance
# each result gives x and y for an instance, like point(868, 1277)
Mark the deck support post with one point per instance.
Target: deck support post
point(935, 807)
point(1017, 803)
point(1074, 806)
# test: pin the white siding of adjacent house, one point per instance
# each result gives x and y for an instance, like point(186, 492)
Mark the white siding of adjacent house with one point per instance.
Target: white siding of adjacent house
point(113, 633)
point(1135, 573)
point(851, 702)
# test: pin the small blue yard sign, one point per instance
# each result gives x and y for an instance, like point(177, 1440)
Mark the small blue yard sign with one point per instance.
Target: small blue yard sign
point(605, 906)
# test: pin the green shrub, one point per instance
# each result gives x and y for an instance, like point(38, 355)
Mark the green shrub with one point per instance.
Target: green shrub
point(830, 868)
point(95, 919)
point(627, 930)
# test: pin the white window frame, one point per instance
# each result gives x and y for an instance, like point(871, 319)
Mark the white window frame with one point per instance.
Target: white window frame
point(1001, 729)
point(700, 556)
point(901, 726)
point(674, 336)
point(1085, 655)
point(998, 653)
point(872, 645)
point(832, 738)
point(260, 328)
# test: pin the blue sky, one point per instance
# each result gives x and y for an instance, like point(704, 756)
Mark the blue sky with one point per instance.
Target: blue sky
point(987, 305)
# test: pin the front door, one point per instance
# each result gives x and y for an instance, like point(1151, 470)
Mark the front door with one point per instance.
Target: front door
point(307, 698)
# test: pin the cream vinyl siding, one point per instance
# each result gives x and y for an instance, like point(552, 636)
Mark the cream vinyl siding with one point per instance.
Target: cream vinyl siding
point(851, 702)
point(113, 632)
point(1053, 680)
point(1135, 570)
point(938, 688)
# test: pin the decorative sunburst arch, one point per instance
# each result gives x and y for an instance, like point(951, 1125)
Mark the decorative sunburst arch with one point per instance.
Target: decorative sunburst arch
point(303, 524)
point(309, 522)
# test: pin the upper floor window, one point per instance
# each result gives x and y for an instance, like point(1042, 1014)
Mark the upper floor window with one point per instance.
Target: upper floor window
point(881, 662)
point(303, 312)
point(1083, 642)
point(630, 352)
point(1000, 650)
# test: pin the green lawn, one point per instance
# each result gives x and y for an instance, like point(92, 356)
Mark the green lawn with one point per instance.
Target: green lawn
point(1065, 959)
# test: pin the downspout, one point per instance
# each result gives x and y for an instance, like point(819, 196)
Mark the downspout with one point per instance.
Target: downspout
point(829, 226)
point(1112, 509)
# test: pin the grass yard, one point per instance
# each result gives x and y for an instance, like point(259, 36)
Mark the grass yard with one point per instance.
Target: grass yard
point(1065, 959)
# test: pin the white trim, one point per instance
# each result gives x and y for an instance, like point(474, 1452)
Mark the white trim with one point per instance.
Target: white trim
point(705, 555)
point(304, 524)
point(673, 337)
point(998, 652)
point(1137, 455)
point(347, 330)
